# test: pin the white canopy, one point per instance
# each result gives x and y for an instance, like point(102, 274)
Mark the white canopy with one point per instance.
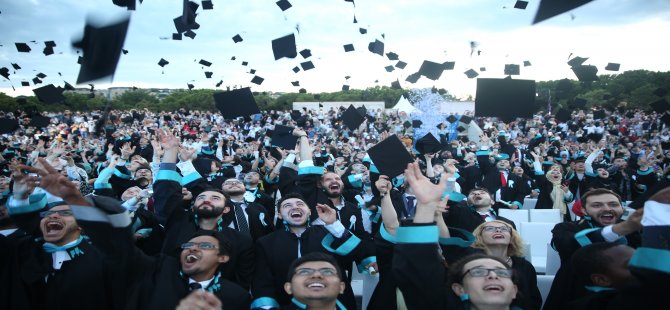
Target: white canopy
point(404, 105)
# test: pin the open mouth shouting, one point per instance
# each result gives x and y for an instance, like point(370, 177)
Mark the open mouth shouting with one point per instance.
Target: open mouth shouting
point(495, 288)
point(607, 217)
point(191, 259)
point(316, 285)
point(498, 236)
point(53, 227)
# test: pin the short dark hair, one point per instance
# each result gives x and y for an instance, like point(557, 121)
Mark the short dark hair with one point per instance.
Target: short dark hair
point(290, 196)
point(224, 245)
point(591, 259)
point(598, 192)
point(313, 257)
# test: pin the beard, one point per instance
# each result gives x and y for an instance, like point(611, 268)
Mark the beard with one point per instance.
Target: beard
point(236, 192)
point(209, 213)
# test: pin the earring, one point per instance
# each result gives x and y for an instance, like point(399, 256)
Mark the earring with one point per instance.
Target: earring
point(465, 297)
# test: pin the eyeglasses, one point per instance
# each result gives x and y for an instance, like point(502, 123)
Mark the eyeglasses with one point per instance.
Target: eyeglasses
point(59, 212)
point(231, 182)
point(200, 245)
point(306, 272)
point(497, 228)
point(480, 272)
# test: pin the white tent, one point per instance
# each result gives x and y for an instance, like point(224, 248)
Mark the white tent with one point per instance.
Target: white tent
point(404, 105)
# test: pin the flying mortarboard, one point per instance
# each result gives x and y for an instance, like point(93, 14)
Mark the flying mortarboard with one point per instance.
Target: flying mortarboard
point(16, 66)
point(257, 80)
point(482, 69)
point(660, 106)
point(376, 47)
point(412, 78)
point(219, 83)
point(39, 121)
point(401, 65)
point(471, 74)
point(190, 86)
point(8, 125)
point(176, 36)
point(362, 30)
point(284, 47)
point(666, 119)
point(306, 53)
point(586, 73)
point(416, 123)
point(37, 80)
point(551, 8)
point(612, 67)
point(163, 62)
point(449, 65)
point(236, 103)
point(4, 72)
point(41, 75)
point(208, 74)
point(526, 63)
point(505, 98)
point(577, 61)
point(296, 83)
point(189, 33)
point(25, 83)
point(599, 114)
point(102, 50)
point(207, 5)
point(237, 38)
point(390, 166)
point(284, 5)
point(392, 56)
point(282, 136)
point(428, 144)
point(48, 50)
point(563, 115)
point(348, 48)
point(205, 63)
point(352, 118)
point(345, 87)
point(451, 119)
point(461, 129)
point(466, 119)
point(244, 63)
point(395, 85)
point(521, 5)
point(512, 69)
point(389, 68)
point(431, 70)
point(22, 47)
point(307, 65)
point(296, 69)
point(49, 94)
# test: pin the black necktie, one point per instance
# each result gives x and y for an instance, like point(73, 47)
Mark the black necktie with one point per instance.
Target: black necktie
point(242, 224)
point(410, 206)
point(194, 286)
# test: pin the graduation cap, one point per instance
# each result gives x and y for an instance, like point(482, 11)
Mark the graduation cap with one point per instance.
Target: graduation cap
point(451, 119)
point(22, 47)
point(471, 74)
point(428, 144)
point(512, 69)
point(416, 123)
point(348, 48)
point(449, 65)
point(526, 63)
point(208, 74)
point(390, 166)
point(4, 72)
point(599, 114)
point(257, 80)
point(102, 50)
point(401, 65)
point(284, 5)
point(612, 67)
point(189, 33)
point(563, 115)
point(129, 4)
point(389, 68)
point(205, 63)
point(412, 78)
point(48, 50)
point(163, 62)
point(49, 94)
point(579, 103)
point(392, 56)
point(660, 92)
point(176, 36)
point(466, 119)
point(586, 73)
point(376, 47)
point(68, 86)
point(244, 63)
point(39, 121)
point(219, 83)
point(362, 30)
point(521, 5)
point(395, 85)
point(352, 118)
point(306, 53)
point(307, 65)
point(207, 5)
point(235, 103)
point(505, 98)
point(577, 61)
point(37, 80)
point(302, 91)
point(666, 119)
point(190, 86)
point(25, 83)
point(551, 8)
point(8, 125)
point(345, 87)
point(16, 66)
point(284, 47)
point(296, 69)
point(186, 21)
point(41, 75)
point(461, 129)
point(237, 38)
point(660, 106)
point(282, 136)
point(296, 83)
point(431, 70)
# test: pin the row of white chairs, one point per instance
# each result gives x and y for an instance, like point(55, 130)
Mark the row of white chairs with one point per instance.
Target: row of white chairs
point(533, 215)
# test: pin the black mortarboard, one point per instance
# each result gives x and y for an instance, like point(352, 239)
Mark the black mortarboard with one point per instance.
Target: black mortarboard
point(521, 5)
point(102, 50)
point(25, 83)
point(284, 5)
point(395, 85)
point(22, 47)
point(208, 74)
point(577, 61)
point(466, 119)
point(461, 129)
point(163, 62)
point(505, 98)
point(563, 115)
point(471, 74)
point(347, 77)
point(205, 63)
point(551, 8)
point(392, 56)
point(352, 118)
point(50, 43)
point(176, 36)
point(348, 48)
point(306, 65)
point(345, 87)
point(49, 94)
point(412, 78)
point(252, 71)
point(376, 47)
point(306, 53)
point(296, 83)
point(8, 125)
point(401, 65)
point(482, 69)
point(190, 86)
point(16, 66)
point(284, 47)
point(586, 73)
point(579, 103)
point(282, 136)
point(512, 69)
point(207, 5)
point(235, 103)
point(362, 30)
point(666, 119)
point(416, 123)
point(68, 86)
point(296, 69)
point(660, 92)
point(449, 65)
point(431, 70)
point(660, 106)
point(389, 68)
point(599, 114)
point(189, 33)
point(41, 75)
point(407, 124)
point(37, 80)
point(39, 121)
point(451, 119)
point(186, 21)
point(4, 72)
point(428, 144)
point(390, 166)
point(244, 63)
point(219, 83)
point(257, 80)
point(48, 50)
point(237, 38)
point(526, 63)
point(612, 67)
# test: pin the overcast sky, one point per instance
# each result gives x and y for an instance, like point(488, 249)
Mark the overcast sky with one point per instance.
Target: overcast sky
point(631, 32)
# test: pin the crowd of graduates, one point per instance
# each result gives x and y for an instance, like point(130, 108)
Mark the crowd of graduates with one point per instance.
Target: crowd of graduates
point(188, 210)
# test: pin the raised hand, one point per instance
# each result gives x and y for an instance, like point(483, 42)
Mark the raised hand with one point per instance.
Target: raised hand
point(425, 191)
point(24, 184)
point(168, 140)
point(127, 150)
point(383, 185)
point(55, 183)
point(326, 213)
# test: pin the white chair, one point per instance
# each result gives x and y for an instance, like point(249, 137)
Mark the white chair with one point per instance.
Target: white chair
point(516, 216)
point(529, 203)
point(553, 261)
point(538, 235)
point(545, 216)
point(544, 285)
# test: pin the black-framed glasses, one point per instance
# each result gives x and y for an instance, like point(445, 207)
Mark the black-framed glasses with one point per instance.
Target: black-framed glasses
point(200, 245)
point(44, 214)
point(306, 272)
point(497, 228)
point(231, 182)
point(480, 272)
